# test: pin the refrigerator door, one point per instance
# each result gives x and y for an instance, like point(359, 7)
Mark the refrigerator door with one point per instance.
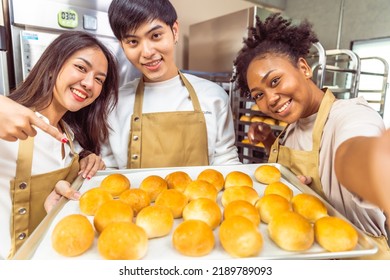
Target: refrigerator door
point(4, 87)
point(35, 23)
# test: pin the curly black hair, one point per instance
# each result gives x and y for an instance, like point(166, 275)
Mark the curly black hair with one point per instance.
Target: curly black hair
point(276, 35)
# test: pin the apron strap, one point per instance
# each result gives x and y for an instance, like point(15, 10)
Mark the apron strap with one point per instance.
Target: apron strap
point(191, 91)
point(322, 117)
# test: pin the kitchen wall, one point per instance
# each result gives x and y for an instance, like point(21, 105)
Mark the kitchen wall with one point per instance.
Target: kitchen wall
point(362, 19)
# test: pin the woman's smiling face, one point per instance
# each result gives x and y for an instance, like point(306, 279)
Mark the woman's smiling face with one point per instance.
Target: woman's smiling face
point(280, 89)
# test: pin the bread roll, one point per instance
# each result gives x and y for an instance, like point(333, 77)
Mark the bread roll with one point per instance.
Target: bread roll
point(242, 208)
point(203, 209)
point(257, 119)
point(309, 206)
point(245, 118)
point(123, 241)
point(260, 144)
point(92, 199)
point(112, 211)
point(255, 107)
point(214, 177)
point(280, 189)
point(291, 232)
point(136, 198)
point(115, 184)
point(153, 185)
point(282, 123)
point(271, 205)
point(193, 238)
point(200, 188)
point(267, 174)
point(240, 238)
point(269, 121)
point(238, 178)
point(156, 220)
point(72, 235)
point(178, 180)
point(245, 141)
point(239, 193)
point(335, 234)
point(174, 200)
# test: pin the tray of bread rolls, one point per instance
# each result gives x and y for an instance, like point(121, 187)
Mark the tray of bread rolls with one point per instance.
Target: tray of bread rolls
point(209, 212)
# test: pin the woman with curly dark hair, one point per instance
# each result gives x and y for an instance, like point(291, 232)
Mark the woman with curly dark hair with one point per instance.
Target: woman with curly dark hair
point(272, 69)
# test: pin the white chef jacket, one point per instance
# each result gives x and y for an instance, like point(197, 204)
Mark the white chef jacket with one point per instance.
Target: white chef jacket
point(169, 96)
point(47, 157)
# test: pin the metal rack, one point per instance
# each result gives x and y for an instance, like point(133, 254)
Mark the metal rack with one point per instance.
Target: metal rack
point(342, 72)
point(376, 96)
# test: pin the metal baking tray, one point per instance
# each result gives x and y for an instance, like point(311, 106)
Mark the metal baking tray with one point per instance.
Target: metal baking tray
point(38, 246)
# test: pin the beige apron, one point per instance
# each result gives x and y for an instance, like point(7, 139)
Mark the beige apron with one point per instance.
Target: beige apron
point(28, 193)
point(307, 163)
point(167, 139)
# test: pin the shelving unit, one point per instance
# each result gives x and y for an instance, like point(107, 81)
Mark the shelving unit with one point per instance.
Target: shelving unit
point(373, 85)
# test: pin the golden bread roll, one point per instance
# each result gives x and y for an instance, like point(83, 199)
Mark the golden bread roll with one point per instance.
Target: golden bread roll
point(291, 232)
point(91, 200)
point(203, 209)
point(238, 178)
point(257, 119)
point(335, 234)
point(245, 141)
point(240, 238)
point(239, 193)
point(153, 185)
point(115, 184)
point(200, 188)
point(72, 235)
point(178, 180)
point(156, 220)
point(280, 189)
point(174, 200)
point(242, 208)
point(269, 121)
point(260, 144)
point(271, 205)
point(255, 107)
point(309, 206)
point(214, 177)
point(123, 241)
point(112, 211)
point(193, 238)
point(136, 198)
point(282, 123)
point(267, 174)
point(245, 118)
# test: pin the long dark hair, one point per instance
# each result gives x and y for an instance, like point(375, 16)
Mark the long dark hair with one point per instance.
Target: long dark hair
point(128, 15)
point(276, 35)
point(88, 124)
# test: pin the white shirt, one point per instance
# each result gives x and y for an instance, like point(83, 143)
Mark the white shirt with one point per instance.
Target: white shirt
point(169, 96)
point(47, 156)
point(347, 119)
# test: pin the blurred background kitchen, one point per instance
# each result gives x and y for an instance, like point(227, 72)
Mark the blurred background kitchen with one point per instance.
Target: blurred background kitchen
point(352, 57)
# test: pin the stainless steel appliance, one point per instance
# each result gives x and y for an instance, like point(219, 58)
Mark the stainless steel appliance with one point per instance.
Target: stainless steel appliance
point(31, 25)
point(3, 57)
point(213, 44)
